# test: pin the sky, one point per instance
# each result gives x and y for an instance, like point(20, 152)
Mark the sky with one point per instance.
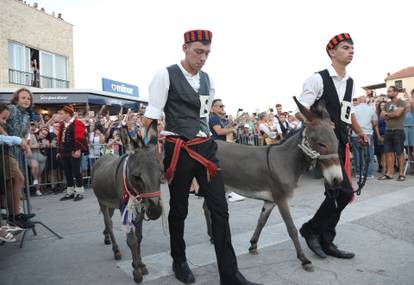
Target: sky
point(262, 51)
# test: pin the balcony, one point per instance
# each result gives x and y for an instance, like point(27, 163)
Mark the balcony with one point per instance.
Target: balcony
point(28, 79)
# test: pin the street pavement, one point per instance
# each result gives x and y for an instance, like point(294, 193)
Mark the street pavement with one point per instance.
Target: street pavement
point(378, 226)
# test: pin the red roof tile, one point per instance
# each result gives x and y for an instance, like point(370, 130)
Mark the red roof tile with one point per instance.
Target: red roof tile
point(406, 72)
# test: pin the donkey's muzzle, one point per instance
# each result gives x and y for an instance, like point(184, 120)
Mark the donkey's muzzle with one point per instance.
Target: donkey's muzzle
point(154, 209)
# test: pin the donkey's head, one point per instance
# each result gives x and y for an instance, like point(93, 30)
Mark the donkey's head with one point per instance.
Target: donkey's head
point(319, 136)
point(144, 168)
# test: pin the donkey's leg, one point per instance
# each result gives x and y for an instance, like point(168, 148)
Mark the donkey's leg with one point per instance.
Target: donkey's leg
point(207, 215)
point(293, 233)
point(132, 242)
point(107, 214)
point(138, 232)
point(264, 215)
point(115, 248)
point(107, 239)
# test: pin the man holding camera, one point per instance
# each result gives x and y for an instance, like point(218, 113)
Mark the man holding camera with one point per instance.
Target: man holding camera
point(219, 132)
point(215, 122)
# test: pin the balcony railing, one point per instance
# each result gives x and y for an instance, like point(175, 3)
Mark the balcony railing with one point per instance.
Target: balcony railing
point(28, 79)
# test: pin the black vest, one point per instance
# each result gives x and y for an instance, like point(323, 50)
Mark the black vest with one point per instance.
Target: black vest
point(333, 106)
point(182, 109)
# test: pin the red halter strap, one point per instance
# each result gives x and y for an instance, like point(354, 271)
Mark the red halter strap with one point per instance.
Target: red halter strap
point(126, 193)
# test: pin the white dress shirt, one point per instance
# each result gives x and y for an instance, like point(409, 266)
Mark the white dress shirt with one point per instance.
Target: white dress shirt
point(313, 88)
point(158, 94)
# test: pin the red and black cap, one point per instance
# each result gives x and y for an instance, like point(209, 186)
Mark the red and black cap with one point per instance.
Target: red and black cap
point(337, 39)
point(198, 36)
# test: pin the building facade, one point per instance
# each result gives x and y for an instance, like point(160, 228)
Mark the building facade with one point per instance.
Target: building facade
point(403, 79)
point(36, 48)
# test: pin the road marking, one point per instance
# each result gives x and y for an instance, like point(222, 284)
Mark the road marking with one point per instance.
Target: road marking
point(159, 265)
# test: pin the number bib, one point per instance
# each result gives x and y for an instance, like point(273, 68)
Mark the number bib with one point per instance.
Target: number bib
point(204, 106)
point(346, 112)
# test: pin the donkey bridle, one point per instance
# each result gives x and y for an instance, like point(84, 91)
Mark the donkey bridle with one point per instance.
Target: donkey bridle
point(311, 153)
point(128, 187)
point(314, 155)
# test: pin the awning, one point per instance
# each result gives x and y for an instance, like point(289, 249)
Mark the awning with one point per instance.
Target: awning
point(374, 86)
point(75, 96)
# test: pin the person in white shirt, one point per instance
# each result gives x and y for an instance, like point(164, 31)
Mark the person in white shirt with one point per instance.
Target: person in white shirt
point(185, 93)
point(367, 119)
point(270, 136)
point(334, 88)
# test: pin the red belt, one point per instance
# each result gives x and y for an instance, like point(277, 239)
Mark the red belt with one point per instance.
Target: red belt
point(179, 144)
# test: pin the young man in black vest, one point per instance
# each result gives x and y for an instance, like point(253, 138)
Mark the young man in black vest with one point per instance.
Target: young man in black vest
point(333, 86)
point(185, 93)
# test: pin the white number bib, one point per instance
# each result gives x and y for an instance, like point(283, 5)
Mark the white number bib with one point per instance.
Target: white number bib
point(204, 105)
point(346, 112)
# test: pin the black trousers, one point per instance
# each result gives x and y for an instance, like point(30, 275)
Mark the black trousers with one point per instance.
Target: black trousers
point(71, 167)
point(214, 195)
point(327, 216)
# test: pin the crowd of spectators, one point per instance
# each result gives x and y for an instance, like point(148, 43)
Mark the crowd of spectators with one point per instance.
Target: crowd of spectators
point(387, 120)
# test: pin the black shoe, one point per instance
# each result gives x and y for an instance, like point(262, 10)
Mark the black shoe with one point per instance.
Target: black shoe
point(332, 250)
point(78, 197)
point(22, 216)
point(237, 279)
point(23, 223)
point(67, 197)
point(183, 272)
point(313, 242)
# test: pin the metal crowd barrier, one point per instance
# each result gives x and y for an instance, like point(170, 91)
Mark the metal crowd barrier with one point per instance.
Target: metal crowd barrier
point(53, 175)
point(255, 140)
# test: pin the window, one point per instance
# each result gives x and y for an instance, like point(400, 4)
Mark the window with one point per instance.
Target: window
point(50, 69)
point(398, 84)
point(19, 57)
point(53, 70)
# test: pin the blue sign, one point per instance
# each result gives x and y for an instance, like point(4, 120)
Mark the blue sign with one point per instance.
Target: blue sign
point(119, 87)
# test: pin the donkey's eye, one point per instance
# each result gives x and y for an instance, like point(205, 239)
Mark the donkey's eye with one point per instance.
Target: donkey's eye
point(322, 145)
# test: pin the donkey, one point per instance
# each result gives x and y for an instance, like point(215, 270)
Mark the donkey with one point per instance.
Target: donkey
point(271, 173)
point(138, 174)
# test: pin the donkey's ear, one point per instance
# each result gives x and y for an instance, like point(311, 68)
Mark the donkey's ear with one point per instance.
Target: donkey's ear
point(151, 134)
point(129, 142)
point(309, 116)
point(320, 110)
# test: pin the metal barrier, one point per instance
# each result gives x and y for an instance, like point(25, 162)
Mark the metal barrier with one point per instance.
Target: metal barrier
point(12, 157)
point(255, 140)
point(53, 175)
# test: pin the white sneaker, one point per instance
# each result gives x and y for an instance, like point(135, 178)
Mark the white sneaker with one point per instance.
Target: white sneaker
point(38, 193)
point(234, 197)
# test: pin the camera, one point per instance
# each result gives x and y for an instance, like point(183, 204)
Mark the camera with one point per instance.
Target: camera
point(255, 114)
point(271, 110)
point(240, 110)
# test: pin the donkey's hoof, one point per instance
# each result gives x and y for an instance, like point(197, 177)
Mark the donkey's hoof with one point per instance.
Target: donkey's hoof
point(308, 267)
point(143, 268)
point(253, 251)
point(137, 275)
point(117, 255)
point(107, 240)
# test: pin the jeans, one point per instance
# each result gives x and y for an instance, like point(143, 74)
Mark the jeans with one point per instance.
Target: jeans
point(369, 151)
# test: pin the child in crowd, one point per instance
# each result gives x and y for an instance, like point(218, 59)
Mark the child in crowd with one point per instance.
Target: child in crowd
point(12, 173)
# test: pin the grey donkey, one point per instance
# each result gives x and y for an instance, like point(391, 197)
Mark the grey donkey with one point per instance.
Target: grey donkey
point(271, 173)
point(140, 172)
